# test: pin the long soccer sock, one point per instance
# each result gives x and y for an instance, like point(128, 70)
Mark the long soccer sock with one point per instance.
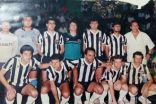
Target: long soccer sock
point(94, 96)
point(122, 94)
point(64, 100)
point(45, 99)
point(9, 102)
point(102, 97)
point(19, 98)
point(77, 99)
point(31, 100)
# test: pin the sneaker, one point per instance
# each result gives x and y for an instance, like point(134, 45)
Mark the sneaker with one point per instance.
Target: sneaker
point(148, 101)
point(143, 100)
point(120, 102)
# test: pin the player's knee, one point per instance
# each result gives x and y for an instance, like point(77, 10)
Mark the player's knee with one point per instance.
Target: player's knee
point(34, 93)
point(66, 94)
point(44, 90)
point(78, 91)
point(99, 89)
point(106, 87)
point(11, 97)
point(124, 87)
point(133, 90)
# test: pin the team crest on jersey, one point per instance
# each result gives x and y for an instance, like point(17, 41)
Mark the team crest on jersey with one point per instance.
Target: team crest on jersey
point(67, 39)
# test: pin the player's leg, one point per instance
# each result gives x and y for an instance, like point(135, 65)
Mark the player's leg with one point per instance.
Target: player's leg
point(78, 91)
point(31, 92)
point(44, 92)
point(133, 90)
point(96, 89)
point(104, 94)
point(10, 95)
point(65, 92)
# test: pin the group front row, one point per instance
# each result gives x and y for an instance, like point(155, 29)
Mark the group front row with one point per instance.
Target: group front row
point(91, 77)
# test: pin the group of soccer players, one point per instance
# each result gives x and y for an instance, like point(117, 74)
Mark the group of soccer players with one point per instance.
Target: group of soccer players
point(100, 72)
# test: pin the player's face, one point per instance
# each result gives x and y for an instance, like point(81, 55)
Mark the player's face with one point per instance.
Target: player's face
point(117, 28)
point(5, 27)
point(51, 25)
point(135, 27)
point(27, 21)
point(90, 56)
point(26, 56)
point(73, 26)
point(94, 25)
point(56, 64)
point(117, 63)
point(137, 59)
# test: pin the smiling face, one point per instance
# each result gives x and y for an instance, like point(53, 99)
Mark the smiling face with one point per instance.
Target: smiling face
point(5, 26)
point(26, 56)
point(51, 25)
point(117, 63)
point(56, 64)
point(137, 59)
point(134, 27)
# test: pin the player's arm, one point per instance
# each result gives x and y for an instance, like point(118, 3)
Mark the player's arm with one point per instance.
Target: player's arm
point(54, 91)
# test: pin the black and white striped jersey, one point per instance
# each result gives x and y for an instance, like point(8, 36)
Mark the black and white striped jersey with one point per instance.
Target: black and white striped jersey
point(94, 40)
point(135, 75)
point(86, 72)
point(116, 45)
point(50, 43)
point(19, 72)
point(114, 74)
point(59, 76)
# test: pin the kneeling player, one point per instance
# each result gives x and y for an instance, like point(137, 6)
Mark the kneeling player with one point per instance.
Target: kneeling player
point(57, 74)
point(115, 79)
point(139, 79)
point(19, 68)
point(84, 77)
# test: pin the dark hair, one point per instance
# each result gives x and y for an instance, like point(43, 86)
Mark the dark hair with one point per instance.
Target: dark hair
point(72, 21)
point(50, 19)
point(138, 53)
point(26, 48)
point(117, 57)
point(89, 49)
point(134, 21)
point(116, 23)
point(94, 19)
point(56, 57)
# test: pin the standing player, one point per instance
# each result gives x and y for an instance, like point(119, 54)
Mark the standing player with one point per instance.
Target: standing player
point(8, 46)
point(19, 68)
point(84, 77)
point(138, 41)
point(57, 82)
point(115, 79)
point(116, 43)
point(94, 38)
point(27, 35)
point(139, 79)
point(50, 43)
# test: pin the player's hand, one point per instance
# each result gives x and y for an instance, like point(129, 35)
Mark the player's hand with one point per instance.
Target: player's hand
point(145, 92)
point(10, 91)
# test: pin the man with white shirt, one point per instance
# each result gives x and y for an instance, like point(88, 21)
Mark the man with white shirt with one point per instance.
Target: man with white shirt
point(138, 41)
point(8, 46)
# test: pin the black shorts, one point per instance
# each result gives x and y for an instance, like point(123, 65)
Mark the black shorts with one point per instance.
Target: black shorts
point(59, 84)
point(85, 85)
